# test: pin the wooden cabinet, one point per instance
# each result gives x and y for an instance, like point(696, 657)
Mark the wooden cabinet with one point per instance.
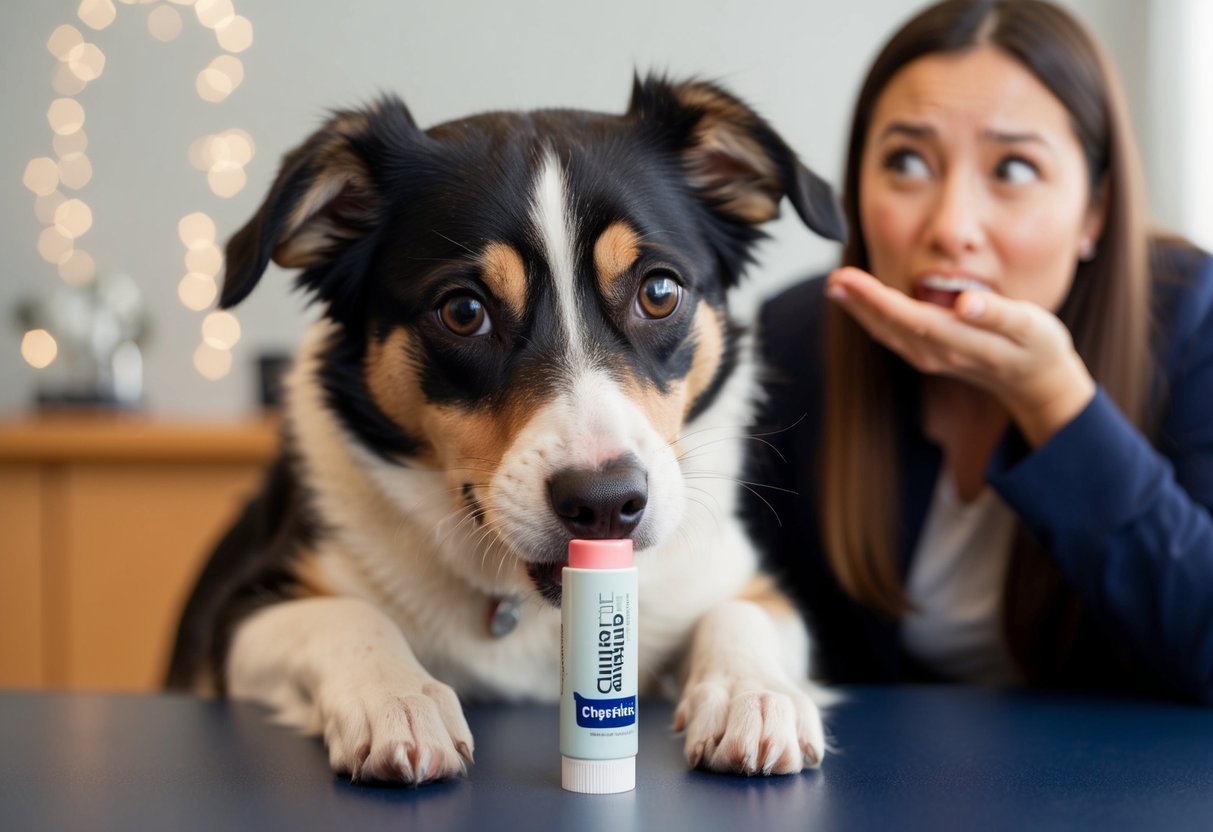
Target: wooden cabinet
point(105, 522)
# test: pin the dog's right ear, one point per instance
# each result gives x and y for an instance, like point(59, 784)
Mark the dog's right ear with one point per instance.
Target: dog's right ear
point(326, 196)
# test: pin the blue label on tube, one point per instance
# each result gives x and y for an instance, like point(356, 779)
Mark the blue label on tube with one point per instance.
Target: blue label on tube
point(604, 713)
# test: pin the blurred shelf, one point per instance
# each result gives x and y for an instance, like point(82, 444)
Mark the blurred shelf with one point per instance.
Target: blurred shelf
point(105, 521)
point(103, 436)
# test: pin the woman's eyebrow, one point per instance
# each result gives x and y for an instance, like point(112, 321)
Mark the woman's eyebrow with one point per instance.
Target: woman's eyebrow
point(906, 128)
point(1011, 137)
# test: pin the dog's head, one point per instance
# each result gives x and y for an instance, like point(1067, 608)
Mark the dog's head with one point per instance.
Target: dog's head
point(532, 303)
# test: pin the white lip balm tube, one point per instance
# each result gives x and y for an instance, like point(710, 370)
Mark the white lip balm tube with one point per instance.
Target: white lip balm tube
point(598, 712)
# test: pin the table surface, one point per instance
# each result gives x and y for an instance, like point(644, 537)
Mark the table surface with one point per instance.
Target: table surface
point(907, 758)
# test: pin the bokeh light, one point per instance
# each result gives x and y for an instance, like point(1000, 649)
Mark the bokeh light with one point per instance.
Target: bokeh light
point(63, 40)
point(221, 330)
point(75, 171)
point(196, 230)
point(236, 34)
point(78, 269)
point(97, 13)
point(65, 115)
point(213, 85)
point(206, 259)
point(53, 246)
point(226, 179)
point(86, 61)
point(213, 364)
point(213, 13)
point(73, 218)
point(164, 23)
point(41, 176)
point(197, 291)
point(38, 348)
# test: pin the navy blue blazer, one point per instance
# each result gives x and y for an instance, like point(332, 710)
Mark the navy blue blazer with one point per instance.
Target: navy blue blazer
point(1126, 521)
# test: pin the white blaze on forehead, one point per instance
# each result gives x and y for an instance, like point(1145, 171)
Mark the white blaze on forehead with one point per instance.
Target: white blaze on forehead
point(554, 224)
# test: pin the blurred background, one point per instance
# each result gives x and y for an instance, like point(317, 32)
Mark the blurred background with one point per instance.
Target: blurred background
point(140, 135)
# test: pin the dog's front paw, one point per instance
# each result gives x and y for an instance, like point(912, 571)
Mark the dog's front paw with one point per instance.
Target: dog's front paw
point(746, 727)
point(409, 732)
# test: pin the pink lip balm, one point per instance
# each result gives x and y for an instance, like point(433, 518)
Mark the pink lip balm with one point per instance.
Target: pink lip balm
point(598, 668)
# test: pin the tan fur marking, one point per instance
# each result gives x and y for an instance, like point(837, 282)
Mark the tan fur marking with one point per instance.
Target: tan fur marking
point(614, 253)
point(392, 379)
point(709, 336)
point(469, 444)
point(663, 412)
point(667, 413)
point(762, 591)
point(311, 579)
point(505, 275)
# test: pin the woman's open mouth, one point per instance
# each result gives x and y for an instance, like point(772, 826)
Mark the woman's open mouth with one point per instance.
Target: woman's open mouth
point(943, 291)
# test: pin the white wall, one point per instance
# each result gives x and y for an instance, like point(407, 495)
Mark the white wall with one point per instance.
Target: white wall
point(798, 62)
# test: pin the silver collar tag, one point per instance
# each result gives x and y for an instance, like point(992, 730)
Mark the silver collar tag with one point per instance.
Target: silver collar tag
point(505, 615)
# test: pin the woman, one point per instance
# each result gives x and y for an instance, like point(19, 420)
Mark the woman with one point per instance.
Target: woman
point(993, 428)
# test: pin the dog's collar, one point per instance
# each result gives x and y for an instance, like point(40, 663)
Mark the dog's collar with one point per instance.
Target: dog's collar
point(504, 615)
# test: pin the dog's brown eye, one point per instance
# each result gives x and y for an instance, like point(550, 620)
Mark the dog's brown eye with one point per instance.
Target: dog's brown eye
point(465, 315)
point(659, 296)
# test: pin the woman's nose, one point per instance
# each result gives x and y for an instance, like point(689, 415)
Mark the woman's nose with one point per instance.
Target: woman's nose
point(957, 224)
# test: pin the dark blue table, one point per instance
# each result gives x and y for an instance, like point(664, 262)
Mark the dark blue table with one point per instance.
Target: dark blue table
point(940, 758)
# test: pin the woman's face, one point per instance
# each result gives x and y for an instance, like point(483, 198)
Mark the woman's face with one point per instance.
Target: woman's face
point(971, 173)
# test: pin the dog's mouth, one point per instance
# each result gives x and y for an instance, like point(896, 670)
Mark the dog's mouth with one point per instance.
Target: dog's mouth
point(548, 579)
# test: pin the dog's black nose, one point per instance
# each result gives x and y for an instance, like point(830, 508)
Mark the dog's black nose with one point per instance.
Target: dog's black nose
point(603, 503)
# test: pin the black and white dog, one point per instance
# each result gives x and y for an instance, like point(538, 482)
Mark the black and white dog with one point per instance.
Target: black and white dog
point(525, 340)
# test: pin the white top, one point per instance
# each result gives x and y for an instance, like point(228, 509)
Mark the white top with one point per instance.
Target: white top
point(955, 585)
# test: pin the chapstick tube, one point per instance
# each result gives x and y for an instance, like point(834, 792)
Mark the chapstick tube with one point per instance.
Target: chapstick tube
point(598, 728)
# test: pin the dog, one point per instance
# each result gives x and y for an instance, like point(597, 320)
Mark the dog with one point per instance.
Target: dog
point(525, 339)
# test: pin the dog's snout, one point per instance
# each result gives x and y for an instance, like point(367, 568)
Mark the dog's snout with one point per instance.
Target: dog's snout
point(601, 503)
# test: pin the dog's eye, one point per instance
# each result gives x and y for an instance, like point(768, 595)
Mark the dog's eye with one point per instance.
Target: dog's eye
point(659, 296)
point(465, 316)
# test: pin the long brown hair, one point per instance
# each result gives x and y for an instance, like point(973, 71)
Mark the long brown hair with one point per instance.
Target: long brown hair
point(1106, 311)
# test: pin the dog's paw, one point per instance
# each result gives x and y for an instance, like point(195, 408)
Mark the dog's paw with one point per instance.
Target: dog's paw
point(404, 733)
point(742, 726)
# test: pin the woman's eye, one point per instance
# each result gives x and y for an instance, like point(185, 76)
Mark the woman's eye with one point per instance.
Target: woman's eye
point(907, 164)
point(659, 296)
point(465, 316)
point(1016, 171)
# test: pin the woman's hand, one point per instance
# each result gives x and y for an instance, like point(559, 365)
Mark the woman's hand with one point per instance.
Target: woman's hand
point(1014, 350)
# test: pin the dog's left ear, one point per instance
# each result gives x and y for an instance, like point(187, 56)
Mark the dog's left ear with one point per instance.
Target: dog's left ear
point(736, 161)
point(326, 198)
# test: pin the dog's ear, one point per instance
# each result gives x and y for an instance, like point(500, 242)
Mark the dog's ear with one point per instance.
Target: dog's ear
point(326, 196)
point(736, 161)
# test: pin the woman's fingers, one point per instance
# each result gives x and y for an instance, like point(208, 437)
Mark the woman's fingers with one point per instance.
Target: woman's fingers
point(932, 338)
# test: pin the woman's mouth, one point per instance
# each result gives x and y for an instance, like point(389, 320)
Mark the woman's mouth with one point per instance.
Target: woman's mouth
point(943, 291)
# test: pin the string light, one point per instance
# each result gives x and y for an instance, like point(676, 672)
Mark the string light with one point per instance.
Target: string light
point(65, 115)
point(41, 176)
point(221, 330)
point(98, 14)
point(86, 61)
point(164, 23)
point(75, 170)
point(221, 156)
point(212, 363)
point(38, 348)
